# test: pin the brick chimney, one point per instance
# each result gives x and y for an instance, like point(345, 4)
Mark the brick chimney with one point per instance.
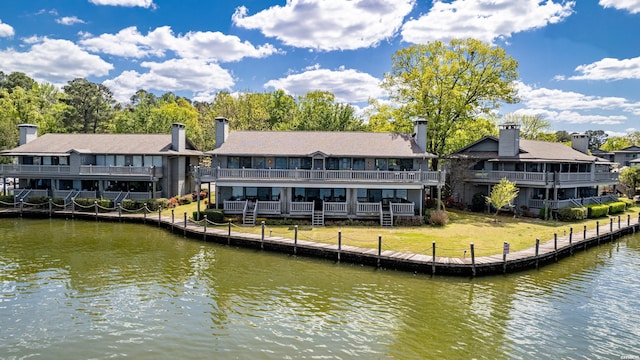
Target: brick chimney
point(580, 142)
point(509, 140)
point(178, 137)
point(222, 131)
point(28, 133)
point(420, 133)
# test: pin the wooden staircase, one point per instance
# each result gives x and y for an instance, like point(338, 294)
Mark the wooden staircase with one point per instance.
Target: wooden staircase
point(386, 220)
point(318, 218)
point(249, 215)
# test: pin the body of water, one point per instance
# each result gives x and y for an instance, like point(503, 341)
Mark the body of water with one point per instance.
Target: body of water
point(83, 289)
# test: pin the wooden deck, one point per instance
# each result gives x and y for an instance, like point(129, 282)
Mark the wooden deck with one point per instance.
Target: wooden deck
point(551, 250)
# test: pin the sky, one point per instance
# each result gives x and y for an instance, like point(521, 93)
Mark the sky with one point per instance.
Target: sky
point(579, 61)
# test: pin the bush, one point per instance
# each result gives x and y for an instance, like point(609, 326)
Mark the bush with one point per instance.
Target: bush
point(616, 207)
point(572, 213)
point(628, 202)
point(130, 204)
point(409, 221)
point(478, 202)
point(216, 216)
point(184, 200)
point(6, 200)
point(438, 218)
point(597, 210)
point(157, 204)
point(545, 210)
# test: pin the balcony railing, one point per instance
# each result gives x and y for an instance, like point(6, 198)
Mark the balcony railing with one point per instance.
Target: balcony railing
point(541, 177)
point(558, 204)
point(306, 208)
point(298, 175)
point(19, 170)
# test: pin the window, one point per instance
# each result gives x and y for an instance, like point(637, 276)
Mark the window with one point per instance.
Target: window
point(281, 163)
point(338, 163)
point(299, 163)
point(400, 164)
point(381, 164)
point(239, 162)
point(358, 164)
point(259, 163)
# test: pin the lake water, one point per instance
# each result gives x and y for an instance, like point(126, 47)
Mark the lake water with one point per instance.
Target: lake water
point(81, 289)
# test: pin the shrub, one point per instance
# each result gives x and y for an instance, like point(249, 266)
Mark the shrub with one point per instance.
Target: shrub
point(172, 203)
point(216, 216)
point(157, 204)
point(6, 200)
point(130, 204)
point(597, 210)
point(439, 218)
point(409, 221)
point(478, 202)
point(184, 200)
point(616, 207)
point(572, 213)
point(545, 210)
point(628, 202)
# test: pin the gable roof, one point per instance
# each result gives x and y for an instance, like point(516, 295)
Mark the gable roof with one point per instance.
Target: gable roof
point(64, 144)
point(530, 151)
point(330, 143)
point(630, 149)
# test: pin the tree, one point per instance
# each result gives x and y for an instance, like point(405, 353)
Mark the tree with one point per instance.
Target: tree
point(14, 80)
point(502, 194)
point(563, 136)
point(615, 143)
point(597, 138)
point(630, 177)
point(318, 111)
point(450, 85)
point(532, 127)
point(90, 106)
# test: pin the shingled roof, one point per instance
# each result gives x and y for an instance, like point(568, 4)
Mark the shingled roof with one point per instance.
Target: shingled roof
point(331, 143)
point(118, 144)
point(530, 151)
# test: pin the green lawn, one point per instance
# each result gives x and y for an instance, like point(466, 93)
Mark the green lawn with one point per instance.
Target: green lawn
point(451, 240)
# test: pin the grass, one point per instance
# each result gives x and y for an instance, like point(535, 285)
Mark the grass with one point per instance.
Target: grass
point(451, 240)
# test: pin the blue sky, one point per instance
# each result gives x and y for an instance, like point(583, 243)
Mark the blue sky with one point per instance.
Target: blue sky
point(579, 60)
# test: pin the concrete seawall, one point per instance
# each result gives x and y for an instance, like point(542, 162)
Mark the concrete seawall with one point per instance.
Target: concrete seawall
point(543, 253)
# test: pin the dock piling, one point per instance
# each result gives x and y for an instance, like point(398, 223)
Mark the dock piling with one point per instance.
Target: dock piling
point(262, 237)
point(433, 258)
point(473, 260)
point(204, 233)
point(295, 240)
point(537, 251)
point(339, 244)
point(379, 248)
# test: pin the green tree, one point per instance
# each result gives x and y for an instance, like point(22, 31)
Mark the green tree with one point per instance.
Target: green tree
point(90, 106)
point(14, 80)
point(563, 136)
point(382, 117)
point(502, 194)
point(614, 143)
point(597, 138)
point(318, 111)
point(450, 85)
point(532, 127)
point(630, 177)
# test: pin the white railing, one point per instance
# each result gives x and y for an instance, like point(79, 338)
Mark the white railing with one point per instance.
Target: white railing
point(334, 208)
point(234, 206)
point(403, 208)
point(17, 169)
point(29, 193)
point(119, 170)
point(301, 208)
point(558, 204)
point(417, 176)
point(540, 177)
point(269, 207)
point(368, 208)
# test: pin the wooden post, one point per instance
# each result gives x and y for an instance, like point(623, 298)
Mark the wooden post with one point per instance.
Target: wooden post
point(205, 227)
point(50, 207)
point(379, 248)
point(119, 211)
point(628, 220)
point(473, 260)
point(159, 216)
point(555, 246)
point(185, 224)
point(433, 258)
point(144, 211)
point(95, 207)
point(584, 233)
point(610, 224)
point(618, 221)
point(262, 237)
point(339, 244)
point(537, 251)
point(504, 257)
point(295, 239)
point(598, 231)
point(21, 206)
point(229, 234)
point(571, 241)
point(73, 208)
point(173, 218)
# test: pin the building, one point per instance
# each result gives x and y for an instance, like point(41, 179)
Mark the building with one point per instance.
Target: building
point(547, 174)
point(112, 166)
point(628, 156)
point(318, 175)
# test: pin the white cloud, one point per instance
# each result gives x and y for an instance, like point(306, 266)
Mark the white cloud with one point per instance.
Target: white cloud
point(608, 69)
point(572, 117)
point(6, 30)
point(543, 98)
point(632, 6)
point(349, 86)
point(328, 25)
point(197, 76)
point(53, 60)
point(129, 42)
point(483, 19)
point(125, 3)
point(70, 20)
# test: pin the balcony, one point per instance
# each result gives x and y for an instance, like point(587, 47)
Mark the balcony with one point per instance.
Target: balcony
point(542, 178)
point(58, 171)
point(322, 176)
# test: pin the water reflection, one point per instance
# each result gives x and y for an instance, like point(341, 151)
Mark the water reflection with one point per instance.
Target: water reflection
point(86, 289)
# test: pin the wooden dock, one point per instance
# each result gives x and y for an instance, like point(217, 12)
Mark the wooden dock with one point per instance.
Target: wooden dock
point(549, 251)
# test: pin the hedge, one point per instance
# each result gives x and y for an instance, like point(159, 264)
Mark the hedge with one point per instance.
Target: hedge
point(597, 210)
point(616, 207)
point(629, 202)
point(572, 213)
point(216, 216)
